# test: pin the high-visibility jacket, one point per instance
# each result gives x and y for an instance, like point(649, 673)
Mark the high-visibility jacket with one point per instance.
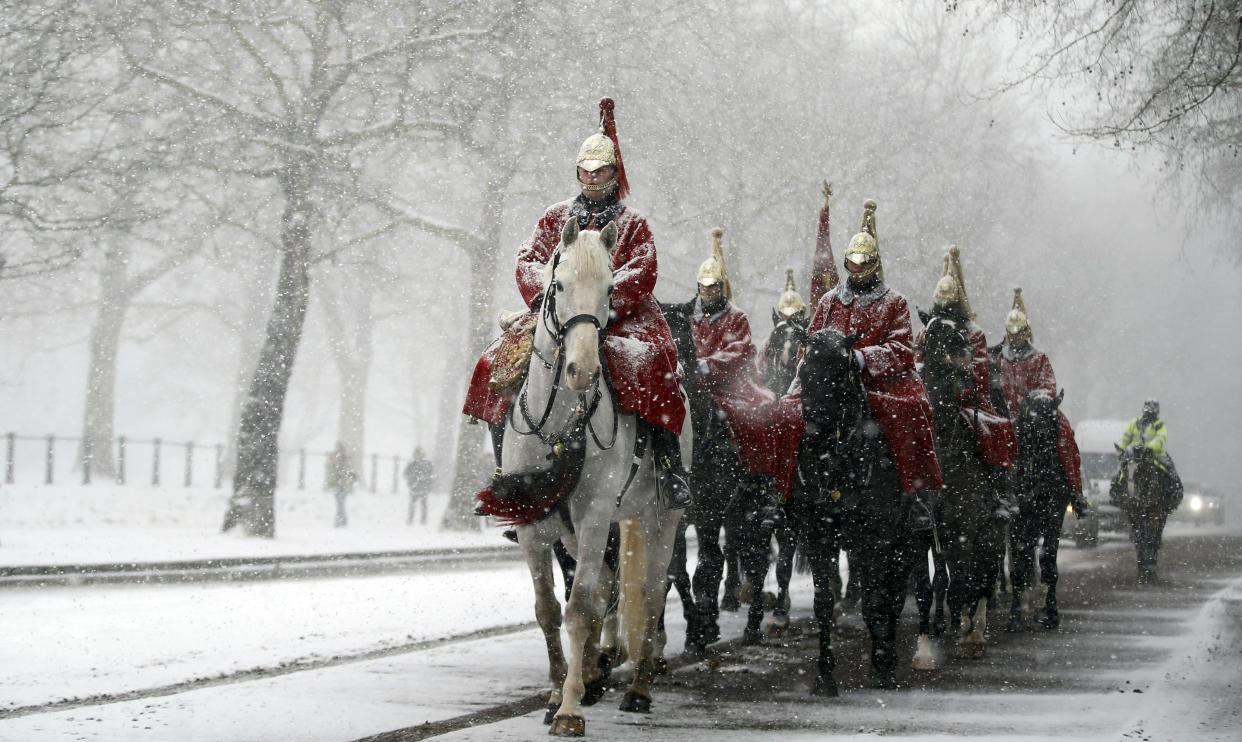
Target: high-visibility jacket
point(1153, 435)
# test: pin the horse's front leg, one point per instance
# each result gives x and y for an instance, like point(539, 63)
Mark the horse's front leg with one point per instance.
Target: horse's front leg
point(582, 621)
point(547, 610)
point(1048, 568)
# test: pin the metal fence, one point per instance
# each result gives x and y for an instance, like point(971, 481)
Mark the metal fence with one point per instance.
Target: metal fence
point(52, 459)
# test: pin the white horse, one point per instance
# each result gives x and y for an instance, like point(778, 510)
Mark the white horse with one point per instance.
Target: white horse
point(565, 406)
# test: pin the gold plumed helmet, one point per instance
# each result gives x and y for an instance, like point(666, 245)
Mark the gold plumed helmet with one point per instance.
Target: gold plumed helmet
point(790, 304)
point(596, 152)
point(601, 150)
point(864, 248)
point(712, 270)
point(951, 289)
point(1016, 323)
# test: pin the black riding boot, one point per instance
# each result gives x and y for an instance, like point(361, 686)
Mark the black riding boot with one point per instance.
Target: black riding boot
point(671, 478)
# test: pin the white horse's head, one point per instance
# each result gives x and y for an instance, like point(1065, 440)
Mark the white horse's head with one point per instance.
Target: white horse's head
point(579, 281)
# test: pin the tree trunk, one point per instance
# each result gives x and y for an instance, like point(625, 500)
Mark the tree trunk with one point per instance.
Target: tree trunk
point(259, 294)
point(253, 504)
point(100, 413)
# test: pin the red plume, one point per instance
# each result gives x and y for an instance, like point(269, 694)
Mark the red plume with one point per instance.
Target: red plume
point(609, 124)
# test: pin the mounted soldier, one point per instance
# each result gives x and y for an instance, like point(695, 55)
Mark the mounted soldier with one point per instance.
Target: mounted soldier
point(1025, 369)
point(733, 449)
point(639, 352)
point(778, 356)
point(995, 434)
point(864, 304)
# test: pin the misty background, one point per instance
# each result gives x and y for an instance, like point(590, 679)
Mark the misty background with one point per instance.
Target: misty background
point(152, 151)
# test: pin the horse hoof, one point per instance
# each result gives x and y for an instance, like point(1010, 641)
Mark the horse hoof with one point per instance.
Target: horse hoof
point(568, 726)
point(594, 691)
point(711, 633)
point(825, 687)
point(751, 637)
point(1051, 622)
point(661, 666)
point(730, 603)
point(605, 666)
point(635, 703)
point(1014, 626)
point(550, 713)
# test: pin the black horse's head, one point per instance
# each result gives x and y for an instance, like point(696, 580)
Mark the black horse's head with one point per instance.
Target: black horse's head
point(677, 315)
point(788, 335)
point(830, 378)
point(1037, 426)
point(948, 355)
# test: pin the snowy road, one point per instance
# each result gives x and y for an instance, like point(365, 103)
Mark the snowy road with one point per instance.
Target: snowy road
point(344, 659)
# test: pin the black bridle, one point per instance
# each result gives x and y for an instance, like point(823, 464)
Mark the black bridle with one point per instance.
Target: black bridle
point(583, 421)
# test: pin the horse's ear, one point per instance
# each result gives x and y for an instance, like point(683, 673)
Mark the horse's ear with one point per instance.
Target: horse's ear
point(570, 232)
point(608, 236)
point(1060, 396)
point(852, 338)
point(776, 318)
point(1120, 450)
point(924, 317)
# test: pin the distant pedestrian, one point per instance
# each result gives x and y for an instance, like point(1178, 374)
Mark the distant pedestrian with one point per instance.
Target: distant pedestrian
point(339, 478)
point(418, 476)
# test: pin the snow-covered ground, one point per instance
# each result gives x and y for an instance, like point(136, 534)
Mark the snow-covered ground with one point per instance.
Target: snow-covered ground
point(73, 642)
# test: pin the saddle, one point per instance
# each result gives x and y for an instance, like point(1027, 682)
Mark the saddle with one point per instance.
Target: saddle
point(512, 359)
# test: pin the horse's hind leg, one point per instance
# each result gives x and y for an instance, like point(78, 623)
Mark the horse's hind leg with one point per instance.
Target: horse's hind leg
point(679, 577)
point(924, 655)
point(787, 545)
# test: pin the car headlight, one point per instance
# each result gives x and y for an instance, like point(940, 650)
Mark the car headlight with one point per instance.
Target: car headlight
point(1196, 503)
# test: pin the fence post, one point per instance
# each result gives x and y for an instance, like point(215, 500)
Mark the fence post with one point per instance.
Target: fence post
point(374, 471)
point(51, 457)
point(10, 446)
point(155, 463)
point(87, 454)
point(301, 468)
point(219, 464)
point(396, 467)
point(120, 460)
point(189, 463)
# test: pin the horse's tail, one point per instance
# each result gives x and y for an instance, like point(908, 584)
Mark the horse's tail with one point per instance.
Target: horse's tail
point(633, 608)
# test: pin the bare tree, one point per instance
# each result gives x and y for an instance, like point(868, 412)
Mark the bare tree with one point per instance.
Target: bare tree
point(290, 93)
point(1164, 75)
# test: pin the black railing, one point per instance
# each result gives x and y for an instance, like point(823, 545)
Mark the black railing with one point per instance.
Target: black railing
point(24, 453)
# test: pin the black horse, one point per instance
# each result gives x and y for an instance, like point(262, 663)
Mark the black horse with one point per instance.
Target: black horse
point(969, 539)
point(1145, 496)
point(847, 494)
point(781, 354)
point(726, 498)
point(1044, 492)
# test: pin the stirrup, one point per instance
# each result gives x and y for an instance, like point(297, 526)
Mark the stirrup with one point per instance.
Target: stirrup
point(921, 519)
point(673, 488)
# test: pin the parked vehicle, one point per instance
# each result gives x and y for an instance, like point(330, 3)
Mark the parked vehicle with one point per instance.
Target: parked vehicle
point(1200, 504)
point(1096, 439)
